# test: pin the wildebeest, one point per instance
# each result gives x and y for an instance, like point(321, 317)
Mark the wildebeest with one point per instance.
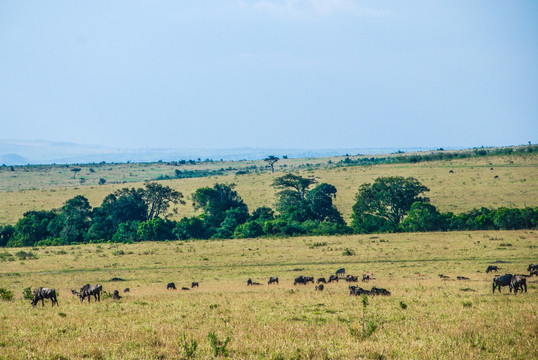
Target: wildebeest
point(492, 268)
point(379, 291)
point(319, 287)
point(367, 277)
point(333, 278)
point(126, 290)
point(194, 284)
point(44, 293)
point(185, 288)
point(250, 282)
point(462, 278)
point(444, 276)
point(534, 272)
point(89, 291)
point(321, 280)
point(355, 290)
point(303, 280)
point(272, 279)
point(340, 272)
point(518, 282)
point(500, 281)
point(532, 267)
point(116, 295)
point(351, 278)
point(171, 286)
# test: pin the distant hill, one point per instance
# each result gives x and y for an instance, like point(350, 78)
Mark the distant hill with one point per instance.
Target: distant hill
point(22, 152)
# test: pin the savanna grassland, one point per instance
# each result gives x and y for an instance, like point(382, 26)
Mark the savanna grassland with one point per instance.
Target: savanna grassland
point(510, 181)
point(426, 317)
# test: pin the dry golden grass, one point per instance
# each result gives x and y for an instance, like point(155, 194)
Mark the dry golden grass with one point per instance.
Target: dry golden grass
point(444, 319)
point(471, 185)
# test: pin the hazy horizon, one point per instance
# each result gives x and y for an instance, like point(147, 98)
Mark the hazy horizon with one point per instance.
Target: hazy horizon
point(305, 74)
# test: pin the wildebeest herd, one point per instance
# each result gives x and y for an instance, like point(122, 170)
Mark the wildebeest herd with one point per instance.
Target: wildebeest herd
point(515, 283)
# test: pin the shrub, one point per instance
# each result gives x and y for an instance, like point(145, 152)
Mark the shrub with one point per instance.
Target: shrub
point(6, 295)
point(189, 348)
point(27, 293)
point(219, 347)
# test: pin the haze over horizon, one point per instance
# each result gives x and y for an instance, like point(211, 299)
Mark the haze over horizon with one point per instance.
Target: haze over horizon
point(304, 74)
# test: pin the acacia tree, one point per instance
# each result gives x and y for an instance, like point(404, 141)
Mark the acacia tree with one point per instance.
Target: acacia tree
point(271, 160)
point(381, 206)
point(75, 171)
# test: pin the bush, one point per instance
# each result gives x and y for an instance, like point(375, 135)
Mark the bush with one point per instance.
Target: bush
point(219, 347)
point(6, 295)
point(27, 293)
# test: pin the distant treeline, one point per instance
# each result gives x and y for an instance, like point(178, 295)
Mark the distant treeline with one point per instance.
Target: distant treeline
point(304, 207)
point(439, 155)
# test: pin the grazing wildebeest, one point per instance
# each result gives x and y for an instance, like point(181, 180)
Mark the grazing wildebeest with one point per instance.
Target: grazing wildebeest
point(504, 280)
point(518, 282)
point(333, 278)
point(126, 290)
point(321, 280)
point(116, 295)
point(74, 292)
point(194, 284)
point(171, 286)
point(367, 277)
point(303, 280)
point(355, 290)
point(492, 268)
point(444, 276)
point(351, 278)
point(379, 291)
point(319, 287)
point(340, 272)
point(185, 288)
point(89, 291)
point(272, 279)
point(532, 267)
point(462, 278)
point(250, 282)
point(534, 272)
point(44, 293)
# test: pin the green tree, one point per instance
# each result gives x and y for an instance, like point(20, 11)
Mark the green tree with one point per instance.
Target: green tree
point(32, 227)
point(73, 220)
point(7, 233)
point(158, 199)
point(271, 160)
point(216, 201)
point(320, 203)
point(423, 217)
point(292, 204)
point(382, 205)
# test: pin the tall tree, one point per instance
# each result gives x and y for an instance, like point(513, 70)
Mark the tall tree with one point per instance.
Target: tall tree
point(217, 201)
point(386, 202)
point(271, 160)
point(158, 199)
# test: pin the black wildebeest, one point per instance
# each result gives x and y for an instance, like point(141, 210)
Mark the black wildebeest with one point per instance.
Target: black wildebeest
point(116, 295)
point(462, 278)
point(171, 286)
point(500, 281)
point(250, 282)
point(355, 290)
point(194, 284)
point(444, 276)
point(89, 291)
point(319, 287)
point(518, 282)
point(272, 279)
point(333, 278)
point(303, 280)
point(492, 268)
point(126, 290)
point(44, 293)
point(379, 291)
point(532, 267)
point(351, 278)
point(534, 272)
point(185, 288)
point(322, 280)
point(340, 272)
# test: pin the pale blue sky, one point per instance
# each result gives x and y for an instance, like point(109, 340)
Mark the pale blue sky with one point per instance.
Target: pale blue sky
point(290, 74)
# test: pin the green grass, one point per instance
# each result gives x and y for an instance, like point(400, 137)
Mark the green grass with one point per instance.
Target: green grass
point(426, 317)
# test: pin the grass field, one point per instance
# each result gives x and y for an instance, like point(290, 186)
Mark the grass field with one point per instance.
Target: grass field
point(471, 185)
point(425, 318)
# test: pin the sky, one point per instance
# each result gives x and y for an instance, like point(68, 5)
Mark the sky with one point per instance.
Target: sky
point(270, 73)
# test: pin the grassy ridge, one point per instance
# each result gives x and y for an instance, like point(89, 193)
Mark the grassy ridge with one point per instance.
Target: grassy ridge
point(442, 318)
point(471, 185)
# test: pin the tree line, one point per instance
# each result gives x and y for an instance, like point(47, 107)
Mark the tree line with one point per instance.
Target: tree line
point(303, 207)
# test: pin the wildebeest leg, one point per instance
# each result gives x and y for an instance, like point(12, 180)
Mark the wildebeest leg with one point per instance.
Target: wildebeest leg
point(42, 301)
point(99, 296)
